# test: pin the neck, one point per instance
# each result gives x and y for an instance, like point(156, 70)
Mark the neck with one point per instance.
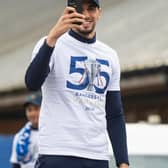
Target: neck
point(91, 38)
point(87, 36)
point(34, 127)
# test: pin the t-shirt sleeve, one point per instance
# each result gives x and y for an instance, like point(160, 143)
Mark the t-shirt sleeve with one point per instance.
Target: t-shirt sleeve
point(37, 48)
point(114, 84)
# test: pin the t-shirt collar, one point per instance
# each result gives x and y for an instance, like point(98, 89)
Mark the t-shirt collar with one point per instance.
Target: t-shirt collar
point(82, 39)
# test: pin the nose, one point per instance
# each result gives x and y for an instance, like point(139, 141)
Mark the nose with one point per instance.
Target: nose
point(86, 13)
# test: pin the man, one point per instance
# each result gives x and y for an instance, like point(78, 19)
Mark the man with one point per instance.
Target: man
point(25, 144)
point(80, 78)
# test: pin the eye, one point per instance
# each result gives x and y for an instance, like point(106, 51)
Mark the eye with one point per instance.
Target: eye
point(91, 8)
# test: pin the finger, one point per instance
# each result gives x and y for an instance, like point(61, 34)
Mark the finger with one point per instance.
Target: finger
point(72, 16)
point(77, 15)
point(74, 25)
point(74, 20)
point(69, 9)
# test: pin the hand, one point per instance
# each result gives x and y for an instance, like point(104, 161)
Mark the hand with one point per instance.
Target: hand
point(66, 21)
point(123, 165)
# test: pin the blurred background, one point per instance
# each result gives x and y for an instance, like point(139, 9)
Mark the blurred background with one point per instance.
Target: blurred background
point(136, 29)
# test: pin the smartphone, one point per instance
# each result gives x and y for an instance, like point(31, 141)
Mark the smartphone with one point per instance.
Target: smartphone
point(77, 4)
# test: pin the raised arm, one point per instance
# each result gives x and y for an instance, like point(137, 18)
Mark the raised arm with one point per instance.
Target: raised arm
point(39, 68)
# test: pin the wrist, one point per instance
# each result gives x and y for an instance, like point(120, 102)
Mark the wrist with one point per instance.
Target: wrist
point(123, 165)
point(51, 41)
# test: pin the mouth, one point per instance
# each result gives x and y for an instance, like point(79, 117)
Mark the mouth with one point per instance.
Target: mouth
point(87, 23)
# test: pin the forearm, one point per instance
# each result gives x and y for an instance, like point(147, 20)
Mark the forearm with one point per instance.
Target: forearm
point(116, 127)
point(117, 134)
point(39, 68)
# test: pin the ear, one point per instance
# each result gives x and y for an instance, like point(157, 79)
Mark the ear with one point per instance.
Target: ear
point(100, 12)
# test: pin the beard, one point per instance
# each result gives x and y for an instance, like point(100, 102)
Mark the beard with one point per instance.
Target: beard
point(84, 31)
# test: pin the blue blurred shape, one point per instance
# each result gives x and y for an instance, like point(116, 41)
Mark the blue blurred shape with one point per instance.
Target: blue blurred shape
point(5, 150)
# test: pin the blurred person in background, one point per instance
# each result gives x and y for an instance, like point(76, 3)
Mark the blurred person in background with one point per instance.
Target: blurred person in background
point(80, 80)
point(25, 143)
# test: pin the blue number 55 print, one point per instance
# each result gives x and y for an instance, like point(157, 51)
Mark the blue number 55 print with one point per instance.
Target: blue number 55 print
point(88, 74)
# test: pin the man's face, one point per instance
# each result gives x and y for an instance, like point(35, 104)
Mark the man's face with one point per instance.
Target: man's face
point(32, 114)
point(92, 14)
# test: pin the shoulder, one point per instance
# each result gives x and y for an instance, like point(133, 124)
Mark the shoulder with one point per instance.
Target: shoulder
point(62, 43)
point(107, 49)
point(15, 139)
point(38, 44)
point(25, 128)
point(63, 39)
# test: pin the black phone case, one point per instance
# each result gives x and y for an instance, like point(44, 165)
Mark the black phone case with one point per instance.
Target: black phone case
point(77, 4)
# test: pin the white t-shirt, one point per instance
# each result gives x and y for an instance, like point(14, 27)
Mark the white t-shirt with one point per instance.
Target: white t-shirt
point(33, 150)
point(72, 116)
